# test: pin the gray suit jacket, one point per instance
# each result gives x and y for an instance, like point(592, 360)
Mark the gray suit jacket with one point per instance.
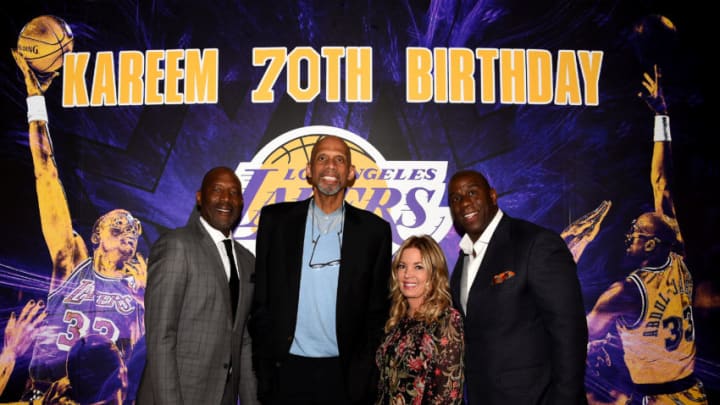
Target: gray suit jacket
point(191, 339)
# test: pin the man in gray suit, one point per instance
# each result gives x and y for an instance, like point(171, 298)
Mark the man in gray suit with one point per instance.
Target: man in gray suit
point(196, 352)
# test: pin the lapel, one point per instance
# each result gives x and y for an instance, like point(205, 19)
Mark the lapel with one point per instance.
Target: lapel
point(244, 264)
point(498, 256)
point(455, 280)
point(293, 250)
point(215, 269)
point(351, 240)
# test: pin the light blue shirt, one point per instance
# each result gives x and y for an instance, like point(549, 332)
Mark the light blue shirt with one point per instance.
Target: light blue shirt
point(315, 332)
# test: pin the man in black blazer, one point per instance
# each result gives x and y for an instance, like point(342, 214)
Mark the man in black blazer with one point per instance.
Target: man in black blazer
point(517, 286)
point(321, 290)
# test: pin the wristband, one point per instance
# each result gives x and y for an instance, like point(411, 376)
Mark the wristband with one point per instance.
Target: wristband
point(661, 131)
point(36, 109)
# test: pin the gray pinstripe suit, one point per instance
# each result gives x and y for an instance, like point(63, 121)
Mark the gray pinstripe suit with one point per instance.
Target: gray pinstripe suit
point(189, 332)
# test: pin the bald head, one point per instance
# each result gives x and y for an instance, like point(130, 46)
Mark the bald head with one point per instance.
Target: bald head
point(330, 169)
point(220, 199)
point(654, 224)
point(332, 142)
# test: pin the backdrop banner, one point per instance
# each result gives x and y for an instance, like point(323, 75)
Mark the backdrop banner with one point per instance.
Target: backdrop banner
point(565, 106)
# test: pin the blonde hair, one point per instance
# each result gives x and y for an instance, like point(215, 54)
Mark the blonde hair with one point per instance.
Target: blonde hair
point(437, 297)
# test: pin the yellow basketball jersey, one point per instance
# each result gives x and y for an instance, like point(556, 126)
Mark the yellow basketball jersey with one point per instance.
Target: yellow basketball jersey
point(659, 345)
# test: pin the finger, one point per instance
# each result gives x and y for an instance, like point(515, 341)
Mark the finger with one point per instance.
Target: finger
point(21, 61)
point(16, 55)
point(651, 89)
point(31, 309)
point(38, 320)
point(132, 269)
point(141, 260)
point(11, 321)
point(31, 81)
point(38, 314)
point(27, 308)
point(32, 314)
point(38, 310)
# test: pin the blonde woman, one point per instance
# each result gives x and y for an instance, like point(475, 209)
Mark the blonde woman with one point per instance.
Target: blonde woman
point(421, 357)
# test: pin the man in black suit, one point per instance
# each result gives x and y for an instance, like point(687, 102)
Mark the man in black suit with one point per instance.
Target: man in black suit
point(321, 290)
point(517, 286)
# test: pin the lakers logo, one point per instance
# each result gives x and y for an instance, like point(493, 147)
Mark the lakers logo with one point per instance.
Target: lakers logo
point(407, 194)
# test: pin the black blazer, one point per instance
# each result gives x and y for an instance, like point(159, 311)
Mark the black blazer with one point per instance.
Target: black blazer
point(362, 297)
point(525, 337)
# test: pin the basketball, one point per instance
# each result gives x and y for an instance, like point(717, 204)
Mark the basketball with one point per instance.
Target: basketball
point(43, 41)
point(655, 40)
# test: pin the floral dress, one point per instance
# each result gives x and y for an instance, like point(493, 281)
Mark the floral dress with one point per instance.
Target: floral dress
point(422, 364)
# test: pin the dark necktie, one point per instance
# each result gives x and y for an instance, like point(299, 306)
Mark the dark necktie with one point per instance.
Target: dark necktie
point(234, 280)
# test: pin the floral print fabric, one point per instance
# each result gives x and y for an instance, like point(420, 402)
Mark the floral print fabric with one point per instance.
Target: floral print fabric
point(421, 363)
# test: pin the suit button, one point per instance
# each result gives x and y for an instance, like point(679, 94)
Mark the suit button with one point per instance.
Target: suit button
point(289, 338)
point(277, 364)
point(226, 366)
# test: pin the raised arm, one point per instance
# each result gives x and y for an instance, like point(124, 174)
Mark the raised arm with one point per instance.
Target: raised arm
point(65, 247)
point(661, 165)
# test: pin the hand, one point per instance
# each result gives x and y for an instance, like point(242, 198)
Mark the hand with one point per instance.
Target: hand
point(583, 230)
point(654, 99)
point(598, 357)
point(58, 393)
point(21, 330)
point(34, 86)
point(137, 268)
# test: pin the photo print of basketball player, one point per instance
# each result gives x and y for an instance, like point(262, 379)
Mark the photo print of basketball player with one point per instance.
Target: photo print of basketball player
point(556, 162)
point(96, 374)
point(98, 292)
point(643, 326)
point(20, 332)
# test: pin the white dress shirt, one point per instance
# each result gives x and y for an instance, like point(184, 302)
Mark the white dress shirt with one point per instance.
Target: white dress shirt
point(218, 238)
point(474, 253)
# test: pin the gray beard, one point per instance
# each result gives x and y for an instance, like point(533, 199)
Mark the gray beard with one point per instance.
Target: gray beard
point(329, 191)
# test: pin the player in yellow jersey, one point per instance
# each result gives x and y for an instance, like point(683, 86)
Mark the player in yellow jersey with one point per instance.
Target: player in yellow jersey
point(651, 309)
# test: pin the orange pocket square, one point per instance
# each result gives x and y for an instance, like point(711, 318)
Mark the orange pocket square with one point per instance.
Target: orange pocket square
point(501, 277)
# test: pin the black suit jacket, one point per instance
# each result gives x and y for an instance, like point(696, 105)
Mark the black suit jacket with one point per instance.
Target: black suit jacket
point(362, 297)
point(526, 336)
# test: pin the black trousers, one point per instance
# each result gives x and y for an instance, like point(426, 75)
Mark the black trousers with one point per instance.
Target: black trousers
point(309, 381)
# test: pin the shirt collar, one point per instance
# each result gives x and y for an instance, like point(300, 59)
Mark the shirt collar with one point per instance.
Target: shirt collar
point(216, 235)
point(467, 245)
